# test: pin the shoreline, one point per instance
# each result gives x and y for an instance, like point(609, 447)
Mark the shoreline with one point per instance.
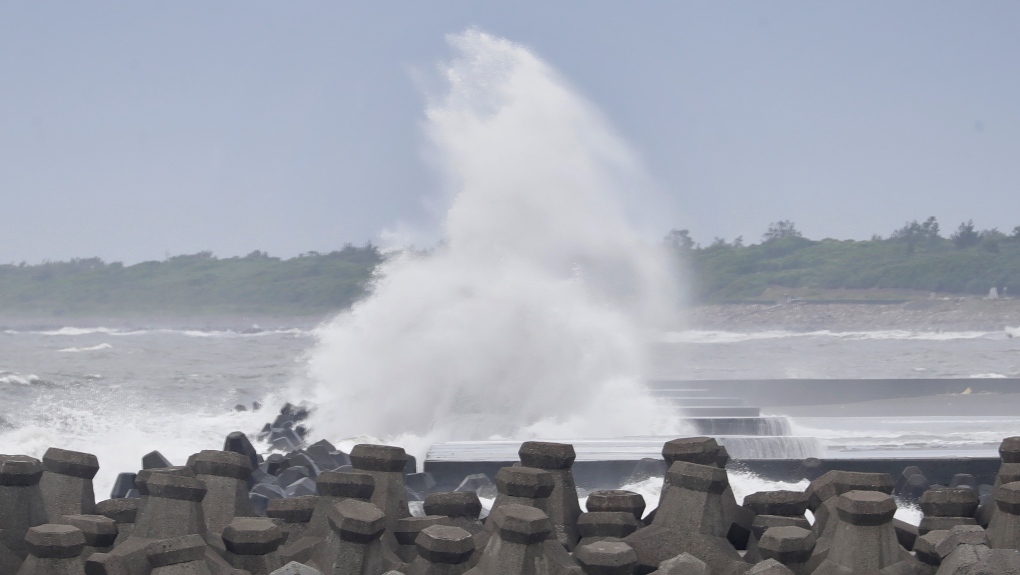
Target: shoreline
point(916, 315)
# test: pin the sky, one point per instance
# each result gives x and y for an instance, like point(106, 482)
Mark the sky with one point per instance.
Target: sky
point(136, 130)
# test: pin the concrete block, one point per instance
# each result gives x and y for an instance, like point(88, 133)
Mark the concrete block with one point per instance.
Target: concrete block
point(769, 567)
point(66, 484)
point(563, 507)
point(238, 442)
point(225, 475)
point(295, 568)
point(52, 541)
point(172, 508)
point(123, 512)
point(125, 482)
point(602, 525)
point(155, 460)
point(21, 505)
point(251, 544)
point(782, 503)
point(616, 500)
point(441, 544)
point(100, 532)
point(606, 558)
point(682, 564)
point(791, 546)
point(407, 532)
point(353, 546)
point(699, 450)
point(293, 515)
point(950, 503)
point(1004, 528)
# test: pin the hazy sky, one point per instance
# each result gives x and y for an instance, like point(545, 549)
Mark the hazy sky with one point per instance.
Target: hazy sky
point(130, 130)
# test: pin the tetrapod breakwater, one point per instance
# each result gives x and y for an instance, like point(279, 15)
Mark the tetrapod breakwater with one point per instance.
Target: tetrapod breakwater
point(319, 510)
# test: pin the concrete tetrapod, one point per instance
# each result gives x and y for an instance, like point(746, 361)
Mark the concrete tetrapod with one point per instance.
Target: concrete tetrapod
point(691, 519)
point(225, 475)
point(706, 451)
point(606, 525)
point(563, 506)
point(791, 546)
point(527, 486)
point(407, 533)
point(353, 546)
point(66, 484)
point(824, 492)
point(251, 544)
point(123, 512)
point(178, 556)
point(945, 508)
point(520, 545)
point(100, 532)
point(606, 558)
point(21, 507)
point(442, 550)
point(333, 487)
point(53, 550)
point(616, 500)
point(865, 541)
point(386, 466)
point(1004, 529)
point(462, 508)
point(293, 514)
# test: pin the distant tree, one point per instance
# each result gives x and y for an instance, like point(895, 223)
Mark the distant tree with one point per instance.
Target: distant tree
point(779, 230)
point(1016, 234)
point(679, 240)
point(738, 242)
point(965, 236)
point(914, 232)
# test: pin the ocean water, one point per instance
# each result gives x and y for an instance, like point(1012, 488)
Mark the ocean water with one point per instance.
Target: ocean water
point(120, 394)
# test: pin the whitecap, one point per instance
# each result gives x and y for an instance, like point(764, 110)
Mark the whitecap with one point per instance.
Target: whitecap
point(99, 347)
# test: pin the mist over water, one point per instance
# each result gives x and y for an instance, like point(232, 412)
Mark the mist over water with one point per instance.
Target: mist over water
point(532, 316)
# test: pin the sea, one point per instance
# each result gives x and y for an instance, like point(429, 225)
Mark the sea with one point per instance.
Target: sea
point(122, 392)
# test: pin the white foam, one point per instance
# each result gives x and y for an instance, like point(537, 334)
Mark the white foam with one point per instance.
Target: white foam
point(14, 378)
point(988, 376)
point(99, 347)
point(119, 433)
point(529, 319)
point(710, 336)
point(119, 332)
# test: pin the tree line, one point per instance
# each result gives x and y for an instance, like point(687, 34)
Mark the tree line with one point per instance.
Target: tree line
point(197, 283)
point(916, 256)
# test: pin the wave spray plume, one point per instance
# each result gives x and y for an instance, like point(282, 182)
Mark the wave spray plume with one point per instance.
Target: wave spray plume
point(530, 319)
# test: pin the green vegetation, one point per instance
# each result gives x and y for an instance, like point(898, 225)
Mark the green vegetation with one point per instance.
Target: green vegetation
point(190, 284)
point(914, 257)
